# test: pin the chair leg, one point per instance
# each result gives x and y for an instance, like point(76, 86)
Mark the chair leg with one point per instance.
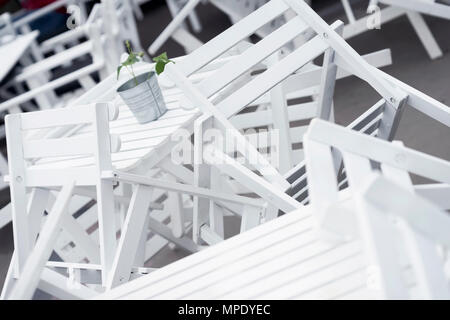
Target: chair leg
point(175, 204)
point(132, 230)
point(424, 34)
point(60, 286)
point(30, 276)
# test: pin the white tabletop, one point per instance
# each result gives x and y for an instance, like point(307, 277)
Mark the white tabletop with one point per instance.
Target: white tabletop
point(138, 141)
point(13, 50)
point(282, 259)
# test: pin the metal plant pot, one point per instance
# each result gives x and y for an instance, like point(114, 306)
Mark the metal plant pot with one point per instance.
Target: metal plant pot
point(145, 100)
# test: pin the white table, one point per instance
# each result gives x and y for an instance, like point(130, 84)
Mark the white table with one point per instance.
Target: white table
point(281, 259)
point(141, 144)
point(12, 51)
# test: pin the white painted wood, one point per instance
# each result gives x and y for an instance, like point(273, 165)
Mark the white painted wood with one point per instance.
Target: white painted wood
point(377, 230)
point(17, 184)
point(58, 286)
point(130, 236)
point(13, 50)
point(175, 207)
point(29, 279)
point(424, 34)
point(413, 9)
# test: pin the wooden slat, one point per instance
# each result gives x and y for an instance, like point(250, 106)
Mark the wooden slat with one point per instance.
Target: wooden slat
point(232, 36)
point(274, 75)
point(73, 146)
point(264, 117)
point(57, 117)
point(50, 177)
point(252, 56)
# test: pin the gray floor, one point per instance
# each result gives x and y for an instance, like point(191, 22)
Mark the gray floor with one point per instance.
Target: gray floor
point(411, 65)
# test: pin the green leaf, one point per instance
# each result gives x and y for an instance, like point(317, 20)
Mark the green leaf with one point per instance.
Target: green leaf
point(159, 68)
point(161, 62)
point(118, 71)
point(162, 57)
point(127, 43)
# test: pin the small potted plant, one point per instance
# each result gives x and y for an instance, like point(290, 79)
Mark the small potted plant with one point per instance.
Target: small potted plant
point(142, 93)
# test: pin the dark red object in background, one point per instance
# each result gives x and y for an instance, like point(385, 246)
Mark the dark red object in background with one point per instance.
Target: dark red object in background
point(35, 4)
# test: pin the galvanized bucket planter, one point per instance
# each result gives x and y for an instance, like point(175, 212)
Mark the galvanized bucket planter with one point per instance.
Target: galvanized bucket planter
point(145, 100)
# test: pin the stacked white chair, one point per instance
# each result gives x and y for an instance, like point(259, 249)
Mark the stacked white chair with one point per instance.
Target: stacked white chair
point(394, 9)
point(235, 9)
point(110, 263)
point(380, 120)
point(104, 44)
point(272, 185)
point(416, 227)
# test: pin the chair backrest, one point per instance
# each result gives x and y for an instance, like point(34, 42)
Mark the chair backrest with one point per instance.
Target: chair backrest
point(370, 123)
point(304, 21)
point(324, 140)
point(421, 224)
point(36, 14)
point(42, 88)
point(380, 120)
point(30, 158)
point(403, 232)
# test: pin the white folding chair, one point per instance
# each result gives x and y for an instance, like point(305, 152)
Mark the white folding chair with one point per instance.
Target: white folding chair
point(41, 88)
point(235, 9)
point(30, 256)
point(419, 224)
point(253, 90)
point(22, 25)
point(28, 172)
point(105, 43)
point(413, 9)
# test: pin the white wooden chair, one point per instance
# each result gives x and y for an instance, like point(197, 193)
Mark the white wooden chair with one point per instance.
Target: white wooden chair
point(22, 25)
point(27, 215)
point(120, 26)
point(41, 89)
point(83, 177)
point(37, 75)
point(105, 59)
point(381, 120)
point(228, 104)
point(413, 9)
point(419, 224)
point(372, 121)
point(235, 9)
point(116, 265)
point(105, 43)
